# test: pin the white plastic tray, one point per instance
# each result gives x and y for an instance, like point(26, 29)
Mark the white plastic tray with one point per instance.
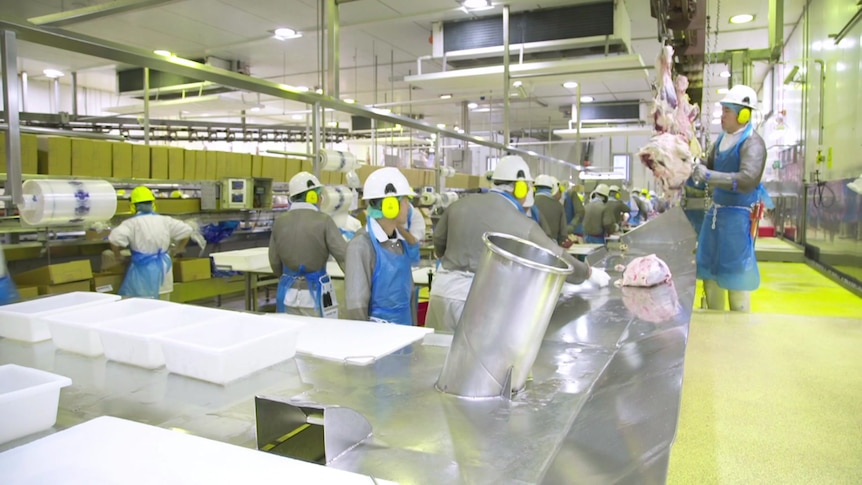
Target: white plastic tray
point(28, 401)
point(112, 450)
point(350, 341)
point(24, 321)
point(77, 330)
point(132, 340)
point(231, 348)
point(252, 259)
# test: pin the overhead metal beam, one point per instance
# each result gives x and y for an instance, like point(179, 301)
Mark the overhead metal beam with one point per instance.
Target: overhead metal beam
point(83, 14)
point(776, 28)
point(82, 44)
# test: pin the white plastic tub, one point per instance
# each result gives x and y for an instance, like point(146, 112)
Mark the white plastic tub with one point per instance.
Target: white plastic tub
point(243, 259)
point(28, 400)
point(229, 349)
point(77, 330)
point(133, 340)
point(25, 321)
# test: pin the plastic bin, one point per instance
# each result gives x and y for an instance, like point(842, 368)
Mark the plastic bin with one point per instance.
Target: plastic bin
point(132, 340)
point(77, 330)
point(28, 400)
point(243, 259)
point(25, 321)
point(229, 349)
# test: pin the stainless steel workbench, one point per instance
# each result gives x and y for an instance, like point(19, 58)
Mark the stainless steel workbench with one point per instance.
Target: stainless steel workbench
point(602, 406)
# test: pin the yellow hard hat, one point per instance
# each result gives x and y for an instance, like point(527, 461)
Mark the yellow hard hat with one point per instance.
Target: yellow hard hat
point(142, 194)
point(177, 194)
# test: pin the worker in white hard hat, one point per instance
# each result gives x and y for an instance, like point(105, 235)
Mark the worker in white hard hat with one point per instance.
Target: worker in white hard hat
point(378, 280)
point(548, 196)
point(8, 292)
point(574, 207)
point(733, 170)
point(153, 240)
point(598, 222)
point(639, 209)
point(618, 209)
point(458, 240)
point(301, 242)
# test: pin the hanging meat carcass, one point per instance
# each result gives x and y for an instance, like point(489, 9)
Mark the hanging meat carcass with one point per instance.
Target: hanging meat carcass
point(671, 151)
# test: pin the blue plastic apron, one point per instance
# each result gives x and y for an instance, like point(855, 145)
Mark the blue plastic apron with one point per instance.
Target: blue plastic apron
point(412, 250)
point(146, 274)
point(391, 286)
point(347, 234)
point(319, 285)
point(8, 292)
point(725, 248)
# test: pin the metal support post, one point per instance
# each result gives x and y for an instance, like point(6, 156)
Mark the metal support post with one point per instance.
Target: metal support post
point(333, 48)
point(74, 94)
point(25, 83)
point(315, 137)
point(740, 68)
point(9, 45)
point(146, 106)
point(466, 155)
point(439, 162)
point(506, 80)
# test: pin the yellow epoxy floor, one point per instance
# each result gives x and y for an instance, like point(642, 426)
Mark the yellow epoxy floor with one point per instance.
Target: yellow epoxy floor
point(774, 396)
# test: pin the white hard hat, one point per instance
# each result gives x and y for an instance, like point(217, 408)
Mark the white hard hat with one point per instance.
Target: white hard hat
point(741, 95)
point(602, 189)
point(302, 182)
point(614, 188)
point(511, 168)
point(546, 181)
point(386, 182)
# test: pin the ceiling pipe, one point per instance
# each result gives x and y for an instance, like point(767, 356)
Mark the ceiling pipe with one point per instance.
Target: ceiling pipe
point(92, 12)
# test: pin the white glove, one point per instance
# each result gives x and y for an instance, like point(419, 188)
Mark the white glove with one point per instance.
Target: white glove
point(599, 277)
point(699, 173)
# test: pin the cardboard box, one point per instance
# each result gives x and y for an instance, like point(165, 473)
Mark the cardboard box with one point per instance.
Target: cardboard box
point(200, 165)
point(189, 160)
point(27, 292)
point(192, 269)
point(167, 206)
point(64, 288)
point(458, 181)
point(106, 282)
point(55, 155)
point(292, 167)
point(365, 170)
point(176, 163)
point(140, 161)
point(56, 274)
point(83, 158)
point(474, 182)
point(275, 168)
point(306, 166)
point(121, 160)
point(222, 165)
point(159, 162)
point(212, 165)
point(29, 153)
point(244, 165)
point(256, 166)
point(103, 158)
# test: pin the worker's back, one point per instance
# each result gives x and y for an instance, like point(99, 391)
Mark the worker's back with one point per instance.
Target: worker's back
point(305, 237)
point(554, 214)
point(458, 234)
point(149, 233)
point(593, 217)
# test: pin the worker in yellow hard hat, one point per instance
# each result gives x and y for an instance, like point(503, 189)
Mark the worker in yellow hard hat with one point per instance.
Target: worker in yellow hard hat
point(153, 239)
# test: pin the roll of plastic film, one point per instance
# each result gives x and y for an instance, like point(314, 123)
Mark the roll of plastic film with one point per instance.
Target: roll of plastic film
point(337, 161)
point(54, 202)
point(427, 198)
point(447, 171)
point(336, 198)
point(447, 198)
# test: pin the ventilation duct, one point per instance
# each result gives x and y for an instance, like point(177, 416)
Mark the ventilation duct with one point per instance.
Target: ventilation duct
point(164, 85)
point(538, 35)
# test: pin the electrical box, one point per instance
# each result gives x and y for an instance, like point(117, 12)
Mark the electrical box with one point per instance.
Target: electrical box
point(237, 193)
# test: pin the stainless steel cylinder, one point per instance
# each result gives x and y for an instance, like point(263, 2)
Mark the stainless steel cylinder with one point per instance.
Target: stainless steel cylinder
point(507, 311)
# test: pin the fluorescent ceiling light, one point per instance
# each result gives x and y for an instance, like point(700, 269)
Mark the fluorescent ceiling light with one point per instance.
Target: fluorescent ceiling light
point(162, 52)
point(297, 117)
point(445, 96)
point(441, 125)
point(473, 105)
point(284, 33)
point(482, 110)
point(303, 89)
point(743, 18)
point(255, 108)
point(722, 90)
point(53, 73)
point(570, 84)
point(332, 124)
point(587, 99)
point(318, 91)
point(725, 74)
point(517, 84)
point(475, 5)
point(349, 100)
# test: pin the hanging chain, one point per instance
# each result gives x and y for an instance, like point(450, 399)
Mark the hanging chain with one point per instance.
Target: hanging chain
point(707, 85)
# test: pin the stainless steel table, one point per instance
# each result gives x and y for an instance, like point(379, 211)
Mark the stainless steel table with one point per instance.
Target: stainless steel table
point(602, 406)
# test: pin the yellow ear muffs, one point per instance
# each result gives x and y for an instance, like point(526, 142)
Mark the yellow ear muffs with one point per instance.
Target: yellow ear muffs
point(390, 207)
point(521, 189)
point(744, 116)
point(311, 197)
